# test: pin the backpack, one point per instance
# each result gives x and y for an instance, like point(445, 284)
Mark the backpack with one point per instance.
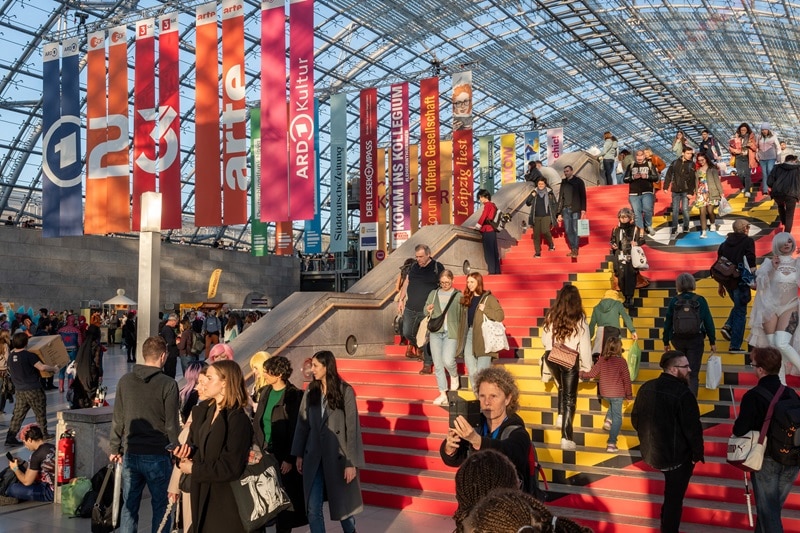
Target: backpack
point(198, 344)
point(783, 437)
point(686, 319)
point(531, 484)
point(500, 219)
point(724, 271)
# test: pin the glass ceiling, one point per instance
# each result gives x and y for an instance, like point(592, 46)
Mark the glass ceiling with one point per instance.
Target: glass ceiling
point(641, 69)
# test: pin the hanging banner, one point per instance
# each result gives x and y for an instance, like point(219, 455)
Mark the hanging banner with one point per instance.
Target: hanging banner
point(368, 239)
point(429, 151)
point(96, 217)
point(338, 158)
point(117, 156)
point(413, 185)
point(382, 200)
point(207, 190)
point(486, 149)
point(144, 115)
point(508, 158)
point(62, 204)
point(234, 115)
point(555, 143)
point(301, 118)
point(462, 147)
point(284, 238)
point(258, 229)
point(169, 119)
point(446, 165)
point(398, 169)
point(274, 117)
point(531, 147)
point(312, 236)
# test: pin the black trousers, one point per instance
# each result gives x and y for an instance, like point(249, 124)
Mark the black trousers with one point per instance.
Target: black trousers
point(490, 251)
point(692, 348)
point(541, 226)
point(626, 275)
point(786, 207)
point(675, 484)
point(567, 381)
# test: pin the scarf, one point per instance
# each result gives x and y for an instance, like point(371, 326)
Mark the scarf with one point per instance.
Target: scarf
point(543, 195)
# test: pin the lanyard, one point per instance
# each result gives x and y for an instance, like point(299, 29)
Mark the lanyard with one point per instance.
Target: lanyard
point(494, 433)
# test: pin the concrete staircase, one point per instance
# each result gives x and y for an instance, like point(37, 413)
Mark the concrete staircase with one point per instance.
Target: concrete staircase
point(402, 430)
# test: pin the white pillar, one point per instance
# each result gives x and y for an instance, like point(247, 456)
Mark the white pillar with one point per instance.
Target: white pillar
point(149, 270)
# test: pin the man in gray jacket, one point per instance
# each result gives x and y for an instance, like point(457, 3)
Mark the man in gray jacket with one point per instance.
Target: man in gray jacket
point(145, 422)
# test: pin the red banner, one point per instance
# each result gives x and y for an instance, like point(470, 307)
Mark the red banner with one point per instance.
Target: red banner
point(169, 117)
point(95, 211)
point(274, 118)
point(302, 178)
point(369, 186)
point(234, 115)
point(430, 185)
point(118, 215)
point(462, 176)
point(207, 191)
point(284, 238)
point(144, 102)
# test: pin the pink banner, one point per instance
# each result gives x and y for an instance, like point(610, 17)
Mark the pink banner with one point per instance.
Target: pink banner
point(274, 163)
point(144, 114)
point(399, 169)
point(368, 238)
point(301, 109)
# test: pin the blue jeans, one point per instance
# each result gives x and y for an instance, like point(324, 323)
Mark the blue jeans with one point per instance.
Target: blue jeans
point(766, 167)
point(37, 491)
point(642, 205)
point(473, 363)
point(608, 170)
point(571, 227)
point(615, 415)
point(443, 351)
point(314, 511)
point(680, 202)
point(138, 470)
point(772, 485)
point(738, 315)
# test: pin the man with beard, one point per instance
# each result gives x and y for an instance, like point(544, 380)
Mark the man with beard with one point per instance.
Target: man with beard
point(667, 419)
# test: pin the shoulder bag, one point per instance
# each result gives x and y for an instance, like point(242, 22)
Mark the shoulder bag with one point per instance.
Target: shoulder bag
point(747, 452)
point(494, 335)
point(563, 355)
point(435, 324)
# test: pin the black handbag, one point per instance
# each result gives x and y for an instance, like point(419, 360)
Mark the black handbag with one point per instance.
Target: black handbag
point(435, 324)
point(259, 493)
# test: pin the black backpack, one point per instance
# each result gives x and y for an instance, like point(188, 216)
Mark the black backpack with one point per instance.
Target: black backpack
point(535, 470)
point(783, 437)
point(686, 319)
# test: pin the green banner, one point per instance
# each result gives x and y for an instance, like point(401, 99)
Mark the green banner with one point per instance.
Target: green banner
point(486, 151)
point(258, 229)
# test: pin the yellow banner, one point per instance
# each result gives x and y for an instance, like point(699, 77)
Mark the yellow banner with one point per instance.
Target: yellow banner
point(508, 158)
point(213, 282)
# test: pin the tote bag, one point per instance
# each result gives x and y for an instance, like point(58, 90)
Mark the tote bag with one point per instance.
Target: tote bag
point(583, 227)
point(747, 452)
point(259, 495)
point(494, 335)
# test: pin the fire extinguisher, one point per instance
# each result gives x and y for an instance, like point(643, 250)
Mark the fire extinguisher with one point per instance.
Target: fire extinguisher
point(66, 456)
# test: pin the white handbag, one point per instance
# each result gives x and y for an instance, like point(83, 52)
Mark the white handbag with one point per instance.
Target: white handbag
point(747, 452)
point(494, 335)
point(583, 227)
point(638, 259)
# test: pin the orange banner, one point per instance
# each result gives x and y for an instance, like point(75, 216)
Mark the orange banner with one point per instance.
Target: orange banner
point(96, 134)
point(169, 117)
point(284, 238)
point(208, 194)
point(429, 151)
point(118, 215)
point(234, 115)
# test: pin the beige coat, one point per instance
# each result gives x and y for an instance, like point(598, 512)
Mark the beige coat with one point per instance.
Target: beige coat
point(492, 311)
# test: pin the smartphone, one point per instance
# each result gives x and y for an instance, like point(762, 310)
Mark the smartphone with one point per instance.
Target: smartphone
point(469, 409)
point(9, 456)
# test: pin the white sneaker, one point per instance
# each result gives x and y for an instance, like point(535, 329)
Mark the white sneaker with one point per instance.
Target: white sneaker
point(703, 234)
point(441, 399)
point(568, 445)
point(559, 421)
point(747, 195)
point(455, 383)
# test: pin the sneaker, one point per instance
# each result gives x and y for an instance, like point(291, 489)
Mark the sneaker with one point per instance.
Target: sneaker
point(717, 225)
point(455, 383)
point(737, 350)
point(747, 195)
point(552, 249)
point(441, 400)
point(607, 424)
point(612, 448)
point(559, 420)
point(568, 445)
point(426, 369)
point(703, 234)
point(726, 332)
point(650, 230)
point(676, 231)
point(12, 442)
point(537, 255)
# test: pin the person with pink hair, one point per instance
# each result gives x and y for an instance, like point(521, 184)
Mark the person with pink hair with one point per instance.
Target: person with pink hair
point(220, 352)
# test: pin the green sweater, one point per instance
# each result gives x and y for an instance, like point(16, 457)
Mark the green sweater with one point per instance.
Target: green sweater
point(607, 312)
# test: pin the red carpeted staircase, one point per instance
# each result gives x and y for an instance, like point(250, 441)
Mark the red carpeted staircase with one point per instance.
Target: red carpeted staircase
point(402, 430)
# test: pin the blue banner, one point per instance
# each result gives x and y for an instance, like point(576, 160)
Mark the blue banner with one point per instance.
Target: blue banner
point(62, 204)
point(312, 236)
point(531, 147)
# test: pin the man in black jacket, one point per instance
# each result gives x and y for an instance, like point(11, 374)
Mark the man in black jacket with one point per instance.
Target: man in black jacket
point(680, 181)
point(571, 207)
point(737, 246)
point(784, 184)
point(666, 416)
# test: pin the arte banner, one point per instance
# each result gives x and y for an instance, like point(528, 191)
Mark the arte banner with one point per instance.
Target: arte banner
point(62, 202)
point(508, 158)
point(144, 111)
point(429, 151)
point(398, 169)
point(446, 158)
point(169, 122)
point(312, 236)
point(368, 239)
point(96, 216)
point(338, 158)
point(258, 229)
point(486, 149)
point(302, 178)
point(555, 144)
point(207, 190)
point(284, 238)
point(234, 115)
point(117, 154)
point(531, 147)
point(274, 115)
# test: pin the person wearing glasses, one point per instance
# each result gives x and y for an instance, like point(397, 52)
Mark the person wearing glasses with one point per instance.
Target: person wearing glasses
point(667, 419)
point(462, 107)
point(444, 341)
point(737, 247)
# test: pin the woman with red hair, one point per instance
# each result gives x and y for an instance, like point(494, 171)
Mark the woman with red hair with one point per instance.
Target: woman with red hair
point(477, 305)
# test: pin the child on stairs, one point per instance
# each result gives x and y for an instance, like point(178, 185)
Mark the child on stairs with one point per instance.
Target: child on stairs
point(614, 386)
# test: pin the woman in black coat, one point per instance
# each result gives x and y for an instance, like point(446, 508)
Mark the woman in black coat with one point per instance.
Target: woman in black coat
point(273, 430)
point(221, 434)
point(623, 237)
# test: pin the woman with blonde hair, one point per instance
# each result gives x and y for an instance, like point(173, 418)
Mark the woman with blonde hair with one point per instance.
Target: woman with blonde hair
point(476, 304)
point(259, 379)
point(566, 330)
point(217, 449)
